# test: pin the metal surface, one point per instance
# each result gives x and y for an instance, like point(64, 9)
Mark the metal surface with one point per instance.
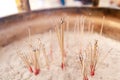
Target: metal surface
point(15, 27)
point(95, 2)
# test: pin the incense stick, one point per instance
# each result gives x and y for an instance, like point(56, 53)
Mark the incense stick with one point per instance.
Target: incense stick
point(51, 46)
point(67, 24)
point(83, 65)
point(88, 57)
point(94, 58)
point(45, 55)
point(89, 22)
point(92, 28)
point(67, 30)
point(36, 63)
point(101, 30)
point(34, 55)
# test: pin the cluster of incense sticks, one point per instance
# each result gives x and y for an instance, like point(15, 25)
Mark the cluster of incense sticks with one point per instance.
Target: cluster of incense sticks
point(25, 60)
point(88, 57)
point(83, 65)
point(60, 36)
point(94, 55)
point(31, 61)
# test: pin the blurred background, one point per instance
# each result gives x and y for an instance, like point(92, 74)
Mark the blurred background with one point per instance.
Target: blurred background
point(9, 7)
